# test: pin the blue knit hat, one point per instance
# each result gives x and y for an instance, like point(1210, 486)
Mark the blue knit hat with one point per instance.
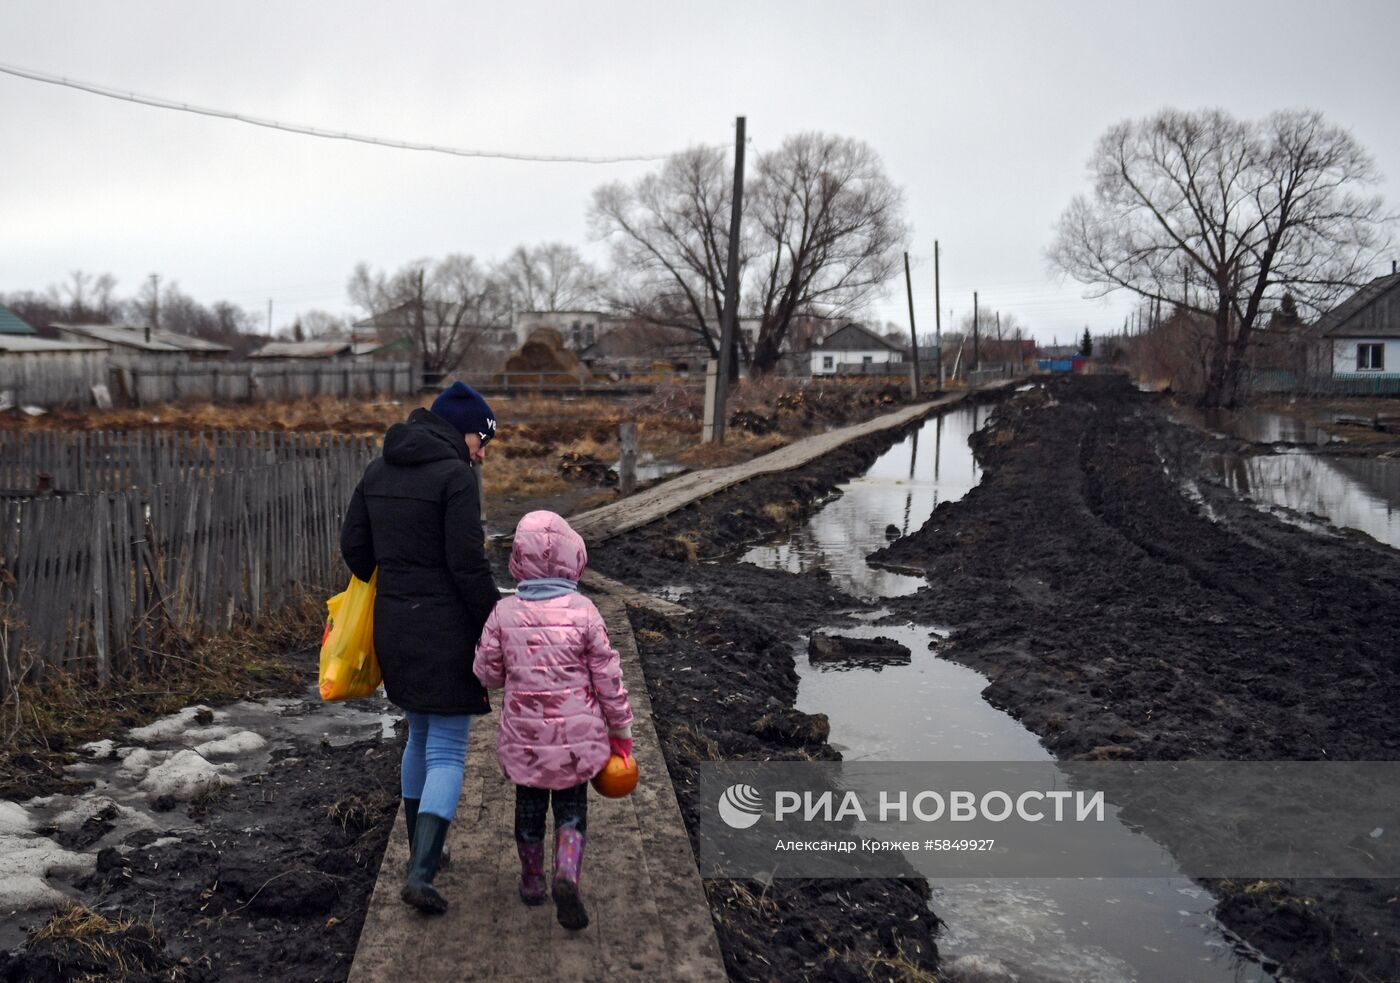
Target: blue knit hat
point(463, 407)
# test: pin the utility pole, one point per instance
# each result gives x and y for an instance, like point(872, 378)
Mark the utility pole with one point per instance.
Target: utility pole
point(937, 316)
point(913, 333)
point(976, 336)
point(731, 289)
point(155, 304)
point(269, 317)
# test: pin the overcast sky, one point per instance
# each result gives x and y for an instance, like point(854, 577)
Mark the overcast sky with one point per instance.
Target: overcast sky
point(985, 113)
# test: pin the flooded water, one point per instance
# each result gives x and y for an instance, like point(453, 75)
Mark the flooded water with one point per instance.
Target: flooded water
point(932, 465)
point(137, 779)
point(1361, 493)
point(1087, 930)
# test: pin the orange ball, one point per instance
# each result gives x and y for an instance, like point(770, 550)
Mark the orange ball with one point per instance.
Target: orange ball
point(618, 777)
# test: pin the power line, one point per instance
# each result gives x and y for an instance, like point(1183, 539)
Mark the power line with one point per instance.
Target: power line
point(162, 103)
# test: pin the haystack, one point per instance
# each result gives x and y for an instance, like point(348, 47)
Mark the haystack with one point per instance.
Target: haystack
point(544, 352)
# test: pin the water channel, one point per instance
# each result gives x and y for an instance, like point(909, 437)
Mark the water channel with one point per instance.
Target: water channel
point(1087, 930)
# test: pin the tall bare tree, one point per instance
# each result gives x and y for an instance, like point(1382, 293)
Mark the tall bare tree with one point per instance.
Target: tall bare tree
point(670, 239)
point(552, 276)
point(821, 234)
point(448, 309)
point(1222, 216)
point(829, 231)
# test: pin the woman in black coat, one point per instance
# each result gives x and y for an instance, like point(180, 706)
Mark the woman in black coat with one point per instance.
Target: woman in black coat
point(416, 517)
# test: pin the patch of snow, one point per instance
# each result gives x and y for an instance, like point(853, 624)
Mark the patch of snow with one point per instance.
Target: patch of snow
point(243, 742)
point(172, 726)
point(14, 819)
point(183, 775)
point(86, 808)
point(24, 863)
point(100, 749)
point(137, 761)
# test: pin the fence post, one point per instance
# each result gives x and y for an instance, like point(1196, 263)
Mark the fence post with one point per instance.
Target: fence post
point(627, 463)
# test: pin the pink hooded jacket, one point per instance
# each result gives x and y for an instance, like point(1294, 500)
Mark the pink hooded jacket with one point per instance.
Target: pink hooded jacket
point(562, 677)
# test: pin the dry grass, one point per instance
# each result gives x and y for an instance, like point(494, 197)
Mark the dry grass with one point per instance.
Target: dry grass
point(121, 947)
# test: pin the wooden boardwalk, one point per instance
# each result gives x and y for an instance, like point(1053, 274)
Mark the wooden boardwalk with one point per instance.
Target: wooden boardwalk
point(650, 919)
point(659, 501)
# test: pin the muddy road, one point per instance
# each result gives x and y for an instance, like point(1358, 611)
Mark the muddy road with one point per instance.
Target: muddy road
point(1122, 600)
point(1125, 603)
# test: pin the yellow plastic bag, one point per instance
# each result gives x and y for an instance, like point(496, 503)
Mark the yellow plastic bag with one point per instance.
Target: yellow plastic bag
point(349, 669)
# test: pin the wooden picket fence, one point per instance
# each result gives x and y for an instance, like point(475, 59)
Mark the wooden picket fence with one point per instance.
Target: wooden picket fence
point(237, 526)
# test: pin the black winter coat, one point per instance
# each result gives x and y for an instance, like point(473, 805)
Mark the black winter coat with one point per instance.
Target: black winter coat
point(416, 515)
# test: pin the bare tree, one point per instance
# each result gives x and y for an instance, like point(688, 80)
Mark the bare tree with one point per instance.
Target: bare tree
point(670, 239)
point(1221, 217)
point(821, 234)
point(448, 309)
point(549, 277)
point(829, 233)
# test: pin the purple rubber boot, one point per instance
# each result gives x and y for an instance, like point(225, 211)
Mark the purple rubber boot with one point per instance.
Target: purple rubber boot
point(568, 858)
point(531, 871)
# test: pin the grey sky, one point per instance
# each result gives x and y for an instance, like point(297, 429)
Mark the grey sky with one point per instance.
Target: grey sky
point(985, 113)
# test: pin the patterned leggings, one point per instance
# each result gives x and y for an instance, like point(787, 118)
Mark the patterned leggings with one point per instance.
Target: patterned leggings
point(531, 804)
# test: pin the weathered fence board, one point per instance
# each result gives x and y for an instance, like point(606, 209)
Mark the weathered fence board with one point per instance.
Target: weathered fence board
point(236, 526)
point(67, 378)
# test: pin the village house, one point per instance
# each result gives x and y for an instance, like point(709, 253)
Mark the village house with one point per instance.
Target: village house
point(1364, 331)
point(855, 348)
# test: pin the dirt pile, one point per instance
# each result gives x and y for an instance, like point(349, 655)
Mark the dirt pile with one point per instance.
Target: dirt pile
point(544, 352)
point(1123, 605)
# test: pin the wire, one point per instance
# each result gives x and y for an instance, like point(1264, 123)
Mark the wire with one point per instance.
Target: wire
point(272, 124)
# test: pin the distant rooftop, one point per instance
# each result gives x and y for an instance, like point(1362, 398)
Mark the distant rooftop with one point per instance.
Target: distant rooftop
point(143, 339)
point(12, 324)
point(32, 344)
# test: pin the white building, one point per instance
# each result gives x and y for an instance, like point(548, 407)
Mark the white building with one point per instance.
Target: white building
point(1364, 330)
point(579, 329)
point(852, 346)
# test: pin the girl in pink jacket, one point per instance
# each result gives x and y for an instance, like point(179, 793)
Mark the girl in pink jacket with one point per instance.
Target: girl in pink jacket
point(565, 709)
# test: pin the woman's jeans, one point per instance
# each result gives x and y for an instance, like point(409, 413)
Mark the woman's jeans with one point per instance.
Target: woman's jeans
point(433, 760)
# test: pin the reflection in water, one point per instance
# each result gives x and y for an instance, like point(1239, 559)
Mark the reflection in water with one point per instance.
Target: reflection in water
point(1150, 930)
point(1358, 493)
point(932, 465)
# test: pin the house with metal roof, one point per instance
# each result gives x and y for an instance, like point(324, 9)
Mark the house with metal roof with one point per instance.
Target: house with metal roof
point(1364, 331)
point(12, 324)
point(143, 340)
point(854, 347)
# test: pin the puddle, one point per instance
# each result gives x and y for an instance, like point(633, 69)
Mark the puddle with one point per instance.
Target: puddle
point(1360, 493)
point(142, 780)
point(1066, 930)
point(1352, 492)
point(1257, 426)
point(933, 464)
point(650, 467)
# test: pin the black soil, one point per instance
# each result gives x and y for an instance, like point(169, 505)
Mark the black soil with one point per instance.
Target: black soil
point(723, 685)
point(1119, 614)
point(270, 880)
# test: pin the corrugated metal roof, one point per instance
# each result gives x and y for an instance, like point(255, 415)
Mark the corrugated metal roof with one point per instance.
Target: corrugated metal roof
point(1334, 322)
point(131, 336)
point(11, 323)
point(21, 344)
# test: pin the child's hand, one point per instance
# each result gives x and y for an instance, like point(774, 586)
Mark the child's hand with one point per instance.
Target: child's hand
point(621, 746)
